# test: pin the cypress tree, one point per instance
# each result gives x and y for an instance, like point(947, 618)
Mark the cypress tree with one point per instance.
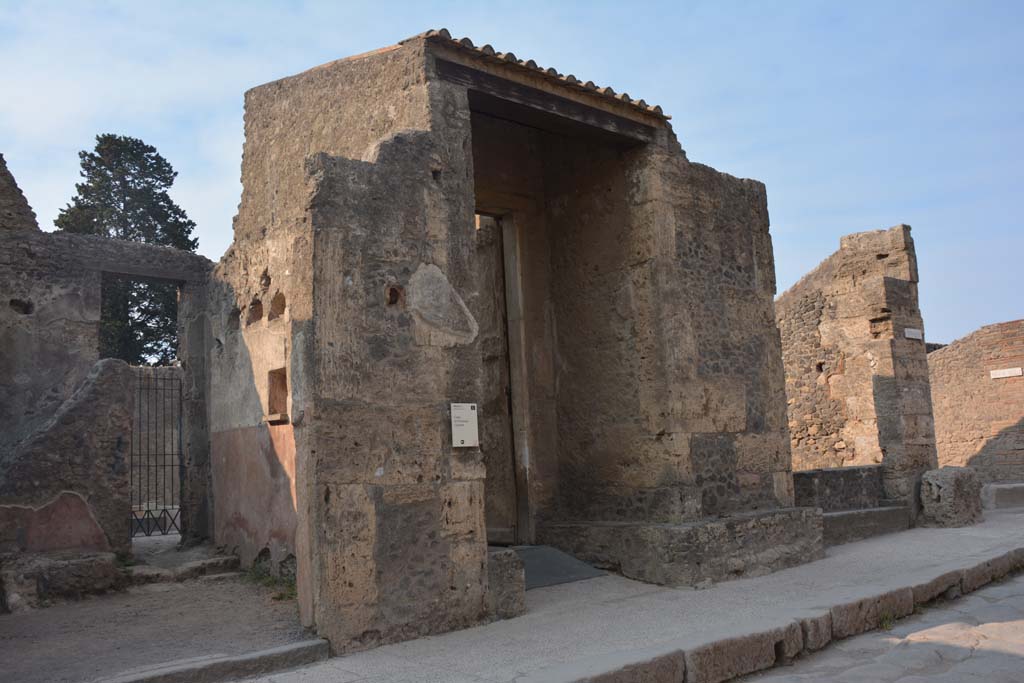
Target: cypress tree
point(123, 195)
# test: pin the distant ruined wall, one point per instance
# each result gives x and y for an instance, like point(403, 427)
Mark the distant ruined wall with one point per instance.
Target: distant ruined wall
point(855, 362)
point(49, 333)
point(979, 418)
point(15, 213)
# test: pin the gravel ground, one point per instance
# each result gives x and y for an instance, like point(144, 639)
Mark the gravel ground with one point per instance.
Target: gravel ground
point(144, 626)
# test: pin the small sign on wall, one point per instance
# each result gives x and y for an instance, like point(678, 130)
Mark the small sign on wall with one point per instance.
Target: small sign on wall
point(464, 426)
point(1006, 372)
point(913, 333)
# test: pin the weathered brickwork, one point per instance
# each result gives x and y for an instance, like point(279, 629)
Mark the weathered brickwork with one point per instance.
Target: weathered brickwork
point(15, 213)
point(856, 368)
point(979, 419)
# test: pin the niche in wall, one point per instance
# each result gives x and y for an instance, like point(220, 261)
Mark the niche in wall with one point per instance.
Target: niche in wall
point(277, 396)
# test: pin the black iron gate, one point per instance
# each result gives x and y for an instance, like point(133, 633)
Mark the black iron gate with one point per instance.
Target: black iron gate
point(155, 474)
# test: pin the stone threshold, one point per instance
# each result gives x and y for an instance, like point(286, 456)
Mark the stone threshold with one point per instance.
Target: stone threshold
point(726, 659)
point(215, 669)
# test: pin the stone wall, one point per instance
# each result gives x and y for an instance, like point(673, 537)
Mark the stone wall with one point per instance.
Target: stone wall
point(978, 399)
point(15, 213)
point(837, 489)
point(855, 362)
point(49, 330)
point(65, 487)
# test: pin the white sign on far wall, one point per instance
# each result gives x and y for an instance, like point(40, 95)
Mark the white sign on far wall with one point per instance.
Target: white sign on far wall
point(913, 333)
point(464, 426)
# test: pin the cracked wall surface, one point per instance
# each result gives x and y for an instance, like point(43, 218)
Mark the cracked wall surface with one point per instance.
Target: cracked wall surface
point(856, 368)
point(979, 418)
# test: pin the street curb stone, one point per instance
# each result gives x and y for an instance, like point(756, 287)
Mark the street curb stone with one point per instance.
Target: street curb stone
point(217, 669)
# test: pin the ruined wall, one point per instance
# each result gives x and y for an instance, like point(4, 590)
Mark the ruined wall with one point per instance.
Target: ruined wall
point(676, 305)
point(346, 211)
point(49, 330)
point(855, 362)
point(66, 485)
point(15, 213)
point(979, 418)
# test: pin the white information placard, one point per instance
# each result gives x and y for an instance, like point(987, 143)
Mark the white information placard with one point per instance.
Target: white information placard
point(913, 333)
point(1006, 373)
point(464, 426)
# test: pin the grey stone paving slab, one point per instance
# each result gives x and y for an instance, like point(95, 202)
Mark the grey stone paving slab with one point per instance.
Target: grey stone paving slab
point(980, 638)
point(616, 621)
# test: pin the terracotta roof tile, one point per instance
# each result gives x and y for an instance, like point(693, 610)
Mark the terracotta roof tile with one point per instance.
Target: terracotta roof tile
point(488, 53)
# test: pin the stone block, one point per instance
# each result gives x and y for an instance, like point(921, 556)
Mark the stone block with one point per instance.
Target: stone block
point(506, 584)
point(817, 631)
point(664, 668)
point(867, 614)
point(855, 525)
point(930, 590)
point(726, 659)
point(950, 497)
point(986, 572)
point(718, 549)
point(28, 580)
point(998, 496)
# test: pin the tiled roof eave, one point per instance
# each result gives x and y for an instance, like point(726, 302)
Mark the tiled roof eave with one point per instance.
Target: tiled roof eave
point(487, 53)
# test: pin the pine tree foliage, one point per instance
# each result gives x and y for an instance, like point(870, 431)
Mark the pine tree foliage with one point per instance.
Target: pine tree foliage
point(123, 195)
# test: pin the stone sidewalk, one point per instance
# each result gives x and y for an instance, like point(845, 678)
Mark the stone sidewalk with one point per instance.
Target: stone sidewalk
point(613, 629)
point(979, 638)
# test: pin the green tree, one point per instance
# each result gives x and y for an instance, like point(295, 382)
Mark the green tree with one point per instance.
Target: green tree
point(124, 196)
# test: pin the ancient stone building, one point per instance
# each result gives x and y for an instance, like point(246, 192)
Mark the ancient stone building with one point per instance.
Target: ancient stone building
point(978, 398)
point(856, 366)
point(470, 302)
point(437, 223)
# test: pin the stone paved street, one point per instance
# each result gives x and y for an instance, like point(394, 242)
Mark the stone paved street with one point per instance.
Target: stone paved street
point(976, 638)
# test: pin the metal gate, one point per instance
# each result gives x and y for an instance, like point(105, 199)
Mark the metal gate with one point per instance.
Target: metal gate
point(155, 474)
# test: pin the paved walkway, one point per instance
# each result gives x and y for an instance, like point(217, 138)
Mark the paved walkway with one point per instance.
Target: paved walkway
point(979, 638)
point(582, 629)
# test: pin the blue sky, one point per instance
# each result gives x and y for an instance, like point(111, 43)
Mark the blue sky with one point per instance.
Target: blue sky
point(857, 115)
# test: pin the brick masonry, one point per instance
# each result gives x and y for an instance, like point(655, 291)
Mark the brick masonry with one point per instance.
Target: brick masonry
point(979, 419)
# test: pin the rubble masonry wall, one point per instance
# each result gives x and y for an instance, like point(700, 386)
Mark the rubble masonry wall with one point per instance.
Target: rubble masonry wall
point(855, 362)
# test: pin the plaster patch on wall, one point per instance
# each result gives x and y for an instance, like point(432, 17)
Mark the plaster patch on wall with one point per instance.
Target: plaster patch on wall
point(442, 318)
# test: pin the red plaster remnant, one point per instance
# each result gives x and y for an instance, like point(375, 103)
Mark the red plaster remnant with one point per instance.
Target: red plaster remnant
point(64, 523)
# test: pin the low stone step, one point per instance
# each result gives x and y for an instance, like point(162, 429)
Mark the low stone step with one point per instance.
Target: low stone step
point(223, 576)
point(210, 565)
point(847, 526)
point(999, 496)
